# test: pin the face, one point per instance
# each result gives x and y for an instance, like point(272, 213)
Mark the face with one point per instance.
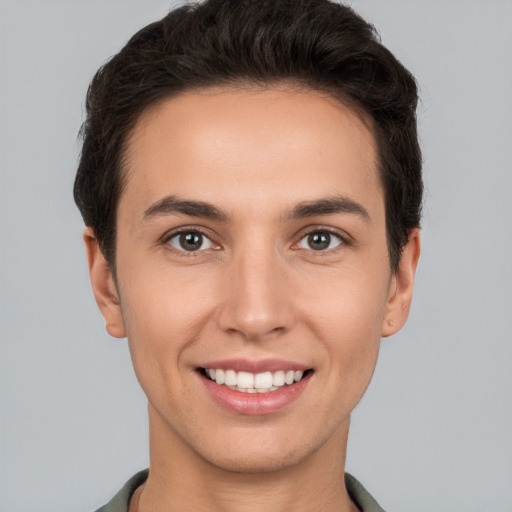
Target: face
point(253, 279)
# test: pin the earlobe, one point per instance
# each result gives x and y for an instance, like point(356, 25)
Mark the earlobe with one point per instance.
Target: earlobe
point(401, 287)
point(103, 286)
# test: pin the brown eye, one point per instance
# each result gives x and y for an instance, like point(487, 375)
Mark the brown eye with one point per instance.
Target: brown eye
point(320, 241)
point(190, 241)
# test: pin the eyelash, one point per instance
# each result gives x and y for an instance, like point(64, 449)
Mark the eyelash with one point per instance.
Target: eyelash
point(343, 241)
point(184, 231)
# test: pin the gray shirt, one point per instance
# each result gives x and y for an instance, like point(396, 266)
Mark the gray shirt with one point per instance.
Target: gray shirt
point(120, 502)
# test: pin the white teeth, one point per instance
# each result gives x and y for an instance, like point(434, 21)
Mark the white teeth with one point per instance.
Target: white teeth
point(230, 378)
point(263, 380)
point(247, 382)
point(220, 376)
point(278, 378)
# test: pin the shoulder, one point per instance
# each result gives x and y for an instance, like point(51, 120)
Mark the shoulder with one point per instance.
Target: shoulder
point(121, 501)
point(360, 496)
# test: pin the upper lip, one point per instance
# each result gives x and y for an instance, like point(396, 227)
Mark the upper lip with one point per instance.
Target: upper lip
point(246, 365)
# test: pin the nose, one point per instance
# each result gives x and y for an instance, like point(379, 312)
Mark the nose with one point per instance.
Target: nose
point(257, 301)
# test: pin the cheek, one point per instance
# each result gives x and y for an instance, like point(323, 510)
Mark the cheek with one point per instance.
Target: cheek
point(163, 313)
point(347, 316)
point(350, 302)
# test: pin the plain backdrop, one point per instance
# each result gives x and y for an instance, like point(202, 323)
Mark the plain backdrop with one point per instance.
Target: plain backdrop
point(433, 432)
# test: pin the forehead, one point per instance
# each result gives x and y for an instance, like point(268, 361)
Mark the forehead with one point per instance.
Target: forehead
point(260, 145)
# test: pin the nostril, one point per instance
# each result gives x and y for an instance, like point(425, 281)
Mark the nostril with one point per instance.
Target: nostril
point(255, 310)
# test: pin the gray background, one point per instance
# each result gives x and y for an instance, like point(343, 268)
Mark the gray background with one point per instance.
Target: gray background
point(434, 430)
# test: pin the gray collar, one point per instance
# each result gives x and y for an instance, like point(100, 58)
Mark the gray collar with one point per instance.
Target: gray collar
point(120, 502)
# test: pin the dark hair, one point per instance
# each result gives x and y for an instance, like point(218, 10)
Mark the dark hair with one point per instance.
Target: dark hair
point(316, 44)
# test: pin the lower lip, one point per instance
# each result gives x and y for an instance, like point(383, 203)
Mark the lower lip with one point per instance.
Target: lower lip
point(253, 404)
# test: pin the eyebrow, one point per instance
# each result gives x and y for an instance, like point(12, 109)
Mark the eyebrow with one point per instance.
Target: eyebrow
point(327, 206)
point(172, 205)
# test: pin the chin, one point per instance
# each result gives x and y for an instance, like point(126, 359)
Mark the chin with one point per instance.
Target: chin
point(263, 451)
point(250, 462)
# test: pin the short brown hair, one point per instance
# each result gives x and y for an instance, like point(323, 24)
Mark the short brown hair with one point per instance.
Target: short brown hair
point(317, 44)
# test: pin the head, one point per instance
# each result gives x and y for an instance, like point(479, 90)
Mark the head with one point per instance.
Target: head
point(250, 179)
point(309, 44)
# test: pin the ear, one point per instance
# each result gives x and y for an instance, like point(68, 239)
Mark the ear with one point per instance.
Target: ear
point(104, 286)
point(401, 287)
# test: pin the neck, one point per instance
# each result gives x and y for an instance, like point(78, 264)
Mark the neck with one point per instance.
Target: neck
point(180, 480)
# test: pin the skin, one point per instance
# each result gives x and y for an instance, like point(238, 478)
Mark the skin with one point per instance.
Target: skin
point(257, 291)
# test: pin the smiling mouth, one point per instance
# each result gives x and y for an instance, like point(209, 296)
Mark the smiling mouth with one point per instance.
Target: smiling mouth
point(247, 382)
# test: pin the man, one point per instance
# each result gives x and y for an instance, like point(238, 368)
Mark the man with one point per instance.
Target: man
point(250, 180)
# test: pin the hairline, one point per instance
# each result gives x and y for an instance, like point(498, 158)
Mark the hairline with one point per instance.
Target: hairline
point(250, 86)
